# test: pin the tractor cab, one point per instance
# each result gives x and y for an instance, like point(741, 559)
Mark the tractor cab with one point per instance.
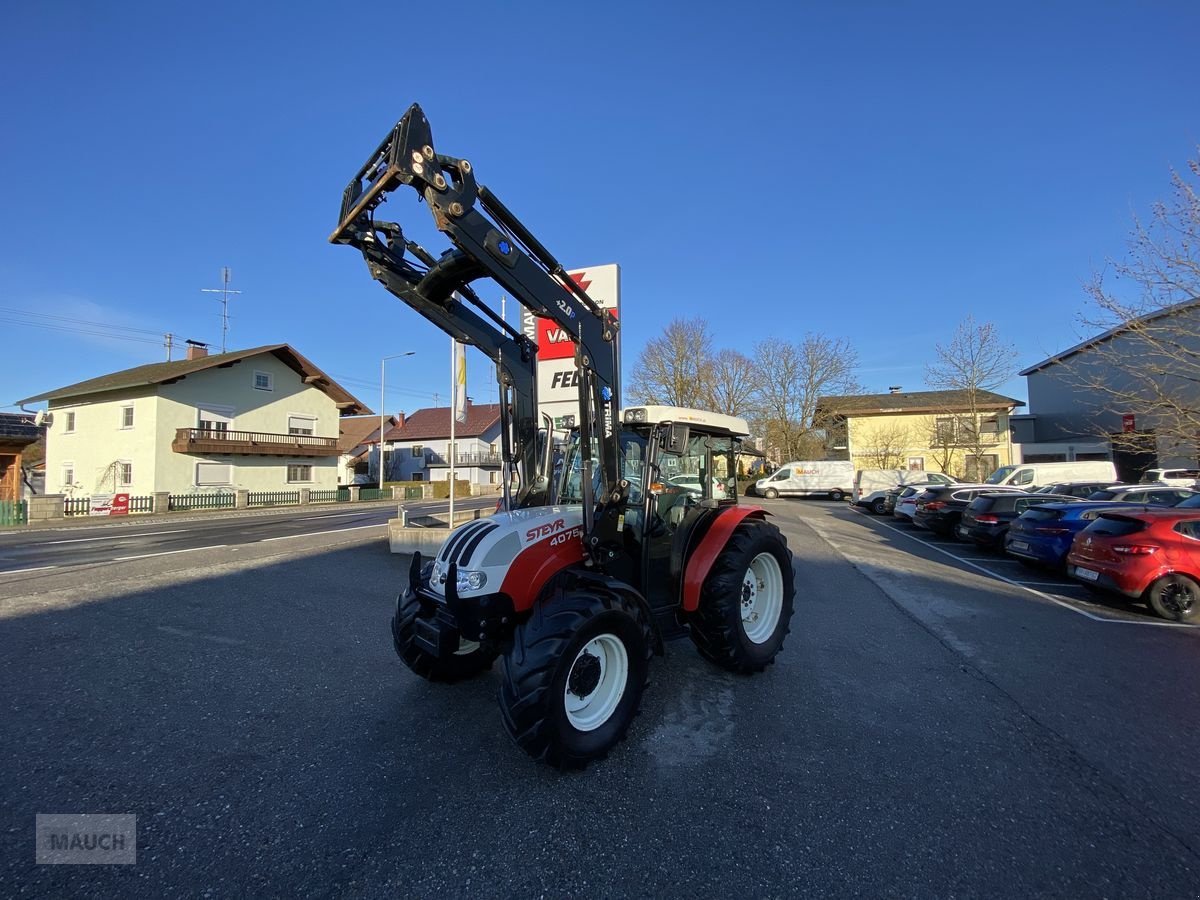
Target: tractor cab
point(680, 465)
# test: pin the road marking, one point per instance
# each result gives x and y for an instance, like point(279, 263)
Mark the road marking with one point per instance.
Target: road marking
point(1055, 600)
point(292, 537)
point(1053, 584)
point(113, 537)
point(338, 516)
point(989, 559)
point(23, 571)
point(168, 552)
point(216, 639)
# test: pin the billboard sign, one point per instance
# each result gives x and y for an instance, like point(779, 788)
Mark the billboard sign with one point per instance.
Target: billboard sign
point(558, 380)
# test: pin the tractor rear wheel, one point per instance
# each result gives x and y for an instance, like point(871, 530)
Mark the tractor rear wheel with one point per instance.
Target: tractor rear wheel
point(470, 660)
point(573, 680)
point(746, 601)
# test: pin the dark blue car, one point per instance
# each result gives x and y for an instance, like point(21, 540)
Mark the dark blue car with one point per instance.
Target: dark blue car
point(1043, 534)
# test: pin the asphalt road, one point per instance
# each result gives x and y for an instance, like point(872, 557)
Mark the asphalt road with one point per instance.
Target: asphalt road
point(88, 543)
point(927, 731)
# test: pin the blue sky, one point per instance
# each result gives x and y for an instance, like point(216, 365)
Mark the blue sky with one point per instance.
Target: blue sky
point(873, 170)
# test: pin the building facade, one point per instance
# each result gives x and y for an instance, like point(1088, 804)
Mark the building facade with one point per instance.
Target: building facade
point(933, 431)
point(264, 419)
point(419, 448)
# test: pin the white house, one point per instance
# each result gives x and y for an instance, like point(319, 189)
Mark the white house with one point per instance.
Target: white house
point(418, 448)
point(264, 419)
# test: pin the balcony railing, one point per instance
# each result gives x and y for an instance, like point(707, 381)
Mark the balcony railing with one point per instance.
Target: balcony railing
point(202, 441)
point(464, 459)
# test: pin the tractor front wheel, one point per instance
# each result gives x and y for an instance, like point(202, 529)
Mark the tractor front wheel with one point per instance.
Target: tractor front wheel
point(746, 601)
point(573, 680)
point(471, 659)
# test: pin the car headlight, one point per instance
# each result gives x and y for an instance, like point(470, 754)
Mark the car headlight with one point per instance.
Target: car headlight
point(470, 580)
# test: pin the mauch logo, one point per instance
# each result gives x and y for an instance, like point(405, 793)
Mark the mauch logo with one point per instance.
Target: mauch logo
point(81, 840)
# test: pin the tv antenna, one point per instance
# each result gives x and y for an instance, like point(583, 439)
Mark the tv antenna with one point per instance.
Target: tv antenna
point(224, 290)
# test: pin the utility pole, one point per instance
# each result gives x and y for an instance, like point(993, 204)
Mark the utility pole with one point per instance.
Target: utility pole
point(224, 290)
point(169, 341)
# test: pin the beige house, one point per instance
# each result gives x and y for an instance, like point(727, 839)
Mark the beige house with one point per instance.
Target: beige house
point(264, 419)
point(932, 431)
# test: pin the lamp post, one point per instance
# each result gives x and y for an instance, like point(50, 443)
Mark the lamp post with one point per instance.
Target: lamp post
point(383, 407)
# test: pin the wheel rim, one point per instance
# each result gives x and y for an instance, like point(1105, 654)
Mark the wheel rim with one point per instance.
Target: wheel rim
point(596, 682)
point(762, 598)
point(1178, 599)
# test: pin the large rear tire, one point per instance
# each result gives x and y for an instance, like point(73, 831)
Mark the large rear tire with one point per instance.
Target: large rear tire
point(471, 659)
point(573, 680)
point(746, 602)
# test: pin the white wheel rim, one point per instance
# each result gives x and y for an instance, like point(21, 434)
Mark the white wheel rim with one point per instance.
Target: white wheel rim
point(762, 598)
point(596, 682)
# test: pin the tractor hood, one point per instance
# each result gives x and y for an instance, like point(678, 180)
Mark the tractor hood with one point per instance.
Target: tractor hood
point(510, 552)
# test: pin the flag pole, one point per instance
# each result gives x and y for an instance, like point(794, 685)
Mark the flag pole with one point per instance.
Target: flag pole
point(453, 411)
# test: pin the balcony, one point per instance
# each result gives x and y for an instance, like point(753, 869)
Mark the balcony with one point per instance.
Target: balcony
point(485, 460)
point(201, 441)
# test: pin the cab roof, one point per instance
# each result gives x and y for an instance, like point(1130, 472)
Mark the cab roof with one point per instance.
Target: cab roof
point(708, 421)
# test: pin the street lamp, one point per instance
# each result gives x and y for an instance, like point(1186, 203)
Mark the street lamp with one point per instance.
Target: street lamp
point(383, 408)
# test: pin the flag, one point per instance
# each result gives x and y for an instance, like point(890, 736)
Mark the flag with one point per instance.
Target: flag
point(460, 382)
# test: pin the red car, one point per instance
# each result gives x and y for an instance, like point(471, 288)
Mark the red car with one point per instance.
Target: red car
point(1151, 555)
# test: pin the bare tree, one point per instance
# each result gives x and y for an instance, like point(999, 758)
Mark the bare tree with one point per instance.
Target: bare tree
point(1150, 366)
point(734, 381)
point(794, 376)
point(887, 447)
point(675, 369)
point(973, 364)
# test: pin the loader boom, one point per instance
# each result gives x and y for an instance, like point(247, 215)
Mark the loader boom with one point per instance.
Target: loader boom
point(490, 242)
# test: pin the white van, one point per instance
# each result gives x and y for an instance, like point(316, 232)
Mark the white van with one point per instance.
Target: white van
point(1033, 475)
point(1174, 477)
point(872, 485)
point(798, 479)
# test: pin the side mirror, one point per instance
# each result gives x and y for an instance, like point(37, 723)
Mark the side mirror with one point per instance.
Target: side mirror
point(676, 439)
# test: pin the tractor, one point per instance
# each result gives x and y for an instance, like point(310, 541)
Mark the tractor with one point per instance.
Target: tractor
point(588, 568)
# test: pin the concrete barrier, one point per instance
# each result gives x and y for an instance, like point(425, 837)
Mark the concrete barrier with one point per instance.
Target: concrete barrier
point(408, 534)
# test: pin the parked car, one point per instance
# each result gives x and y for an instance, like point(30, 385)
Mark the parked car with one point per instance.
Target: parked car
point(1174, 477)
point(986, 519)
point(901, 501)
point(1079, 489)
point(692, 484)
point(1145, 494)
point(939, 508)
point(876, 500)
point(1042, 535)
point(1152, 556)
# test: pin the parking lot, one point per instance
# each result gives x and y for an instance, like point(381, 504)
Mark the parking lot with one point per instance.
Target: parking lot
point(1043, 582)
point(928, 730)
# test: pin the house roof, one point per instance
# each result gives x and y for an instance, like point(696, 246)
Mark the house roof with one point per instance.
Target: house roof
point(169, 372)
point(18, 429)
point(434, 423)
point(912, 402)
point(355, 430)
point(1164, 313)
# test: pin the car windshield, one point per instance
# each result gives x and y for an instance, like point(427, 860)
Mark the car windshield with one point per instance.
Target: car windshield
point(1000, 474)
point(1102, 495)
point(1192, 502)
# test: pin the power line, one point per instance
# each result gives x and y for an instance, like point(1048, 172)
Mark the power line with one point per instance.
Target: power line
point(24, 312)
point(70, 330)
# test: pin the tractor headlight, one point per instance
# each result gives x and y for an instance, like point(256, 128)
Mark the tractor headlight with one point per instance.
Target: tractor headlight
point(470, 580)
point(637, 414)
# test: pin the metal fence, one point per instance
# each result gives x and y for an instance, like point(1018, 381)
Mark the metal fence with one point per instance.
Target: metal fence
point(375, 494)
point(273, 498)
point(13, 512)
point(202, 501)
point(141, 504)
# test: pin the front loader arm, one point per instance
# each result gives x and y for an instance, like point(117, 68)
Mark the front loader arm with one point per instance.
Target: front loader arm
point(500, 248)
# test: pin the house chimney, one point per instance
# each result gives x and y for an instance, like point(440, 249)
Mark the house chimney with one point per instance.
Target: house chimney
point(196, 349)
point(894, 389)
point(399, 420)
